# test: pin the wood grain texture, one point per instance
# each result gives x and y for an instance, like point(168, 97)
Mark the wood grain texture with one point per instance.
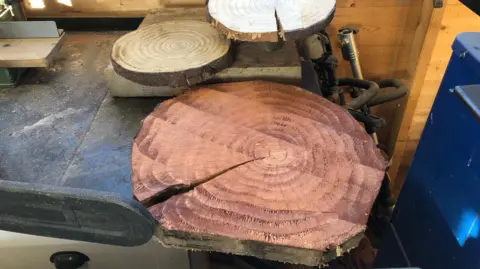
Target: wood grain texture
point(171, 53)
point(269, 20)
point(251, 61)
point(419, 53)
point(390, 33)
point(247, 54)
point(29, 52)
point(311, 193)
point(248, 20)
point(298, 19)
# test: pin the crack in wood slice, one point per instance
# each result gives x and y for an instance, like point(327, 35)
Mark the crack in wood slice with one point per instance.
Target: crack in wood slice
point(269, 20)
point(173, 53)
point(312, 191)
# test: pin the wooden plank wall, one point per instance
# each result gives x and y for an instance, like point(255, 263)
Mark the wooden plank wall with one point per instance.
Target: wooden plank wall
point(456, 18)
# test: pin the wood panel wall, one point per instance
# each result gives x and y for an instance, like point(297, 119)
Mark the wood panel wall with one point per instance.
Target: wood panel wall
point(456, 18)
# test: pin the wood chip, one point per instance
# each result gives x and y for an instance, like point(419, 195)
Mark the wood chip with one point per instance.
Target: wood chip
point(305, 202)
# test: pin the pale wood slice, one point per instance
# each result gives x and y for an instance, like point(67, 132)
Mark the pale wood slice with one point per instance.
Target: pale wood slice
point(251, 61)
point(269, 20)
point(305, 202)
point(302, 18)
point(173, 53)
point(250, 20)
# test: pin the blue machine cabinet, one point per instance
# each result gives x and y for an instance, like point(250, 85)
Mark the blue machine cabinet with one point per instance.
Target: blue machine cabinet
point(436, 221)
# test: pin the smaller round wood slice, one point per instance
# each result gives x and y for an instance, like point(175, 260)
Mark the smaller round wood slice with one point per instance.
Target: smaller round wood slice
point(173, 53)
point(270, 20)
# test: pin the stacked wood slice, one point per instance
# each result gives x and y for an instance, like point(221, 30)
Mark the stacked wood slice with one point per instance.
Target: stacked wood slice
point(172, 53)
point(270, 20)
point(306, 200)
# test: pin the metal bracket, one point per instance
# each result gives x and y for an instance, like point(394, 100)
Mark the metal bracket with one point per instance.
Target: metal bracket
point(349, 49)
point(349, 29)
point(28, 29)
point(437, 3)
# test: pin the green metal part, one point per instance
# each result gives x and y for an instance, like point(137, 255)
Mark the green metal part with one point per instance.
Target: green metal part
point(9, 77)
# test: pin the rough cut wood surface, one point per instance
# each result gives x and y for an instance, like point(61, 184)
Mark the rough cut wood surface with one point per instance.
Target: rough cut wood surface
point(311, 193)
point(246, 54)
point(269, 20)
point(251, 61)
point(171, 53)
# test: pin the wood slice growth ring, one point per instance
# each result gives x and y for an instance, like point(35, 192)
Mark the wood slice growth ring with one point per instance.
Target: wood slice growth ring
point(305, 202)
point(270, 20)
point(173, 53)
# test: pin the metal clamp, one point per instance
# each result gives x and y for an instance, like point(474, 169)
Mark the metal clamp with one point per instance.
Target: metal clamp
point(349, 49)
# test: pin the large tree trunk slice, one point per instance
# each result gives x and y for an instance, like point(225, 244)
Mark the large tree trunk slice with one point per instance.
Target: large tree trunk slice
point(311, 193)
point(173, 53)
point(269, 20)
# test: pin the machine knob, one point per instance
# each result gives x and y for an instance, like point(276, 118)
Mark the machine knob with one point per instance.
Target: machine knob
point(69, 260)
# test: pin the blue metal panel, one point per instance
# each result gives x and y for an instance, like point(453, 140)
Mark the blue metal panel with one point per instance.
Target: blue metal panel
point(439, 230)
point(436, 220)
point(467, 47)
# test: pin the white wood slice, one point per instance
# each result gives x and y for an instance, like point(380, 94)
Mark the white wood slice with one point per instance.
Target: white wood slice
point(267, 20)
point(171, 53)
point(244, 19)
point(299, 16)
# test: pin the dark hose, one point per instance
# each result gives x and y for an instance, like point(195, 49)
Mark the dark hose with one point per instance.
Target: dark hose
point(368, 119)
point(310, 78)
point(372, 89)
point(388, 96)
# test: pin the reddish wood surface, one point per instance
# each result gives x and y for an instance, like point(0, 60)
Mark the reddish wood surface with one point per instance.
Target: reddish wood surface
point(313, 190)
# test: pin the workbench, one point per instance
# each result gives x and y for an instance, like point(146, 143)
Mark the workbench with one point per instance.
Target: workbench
point(66, 147)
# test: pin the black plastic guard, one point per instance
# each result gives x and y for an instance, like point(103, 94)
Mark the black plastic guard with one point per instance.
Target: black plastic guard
point(76, 214)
